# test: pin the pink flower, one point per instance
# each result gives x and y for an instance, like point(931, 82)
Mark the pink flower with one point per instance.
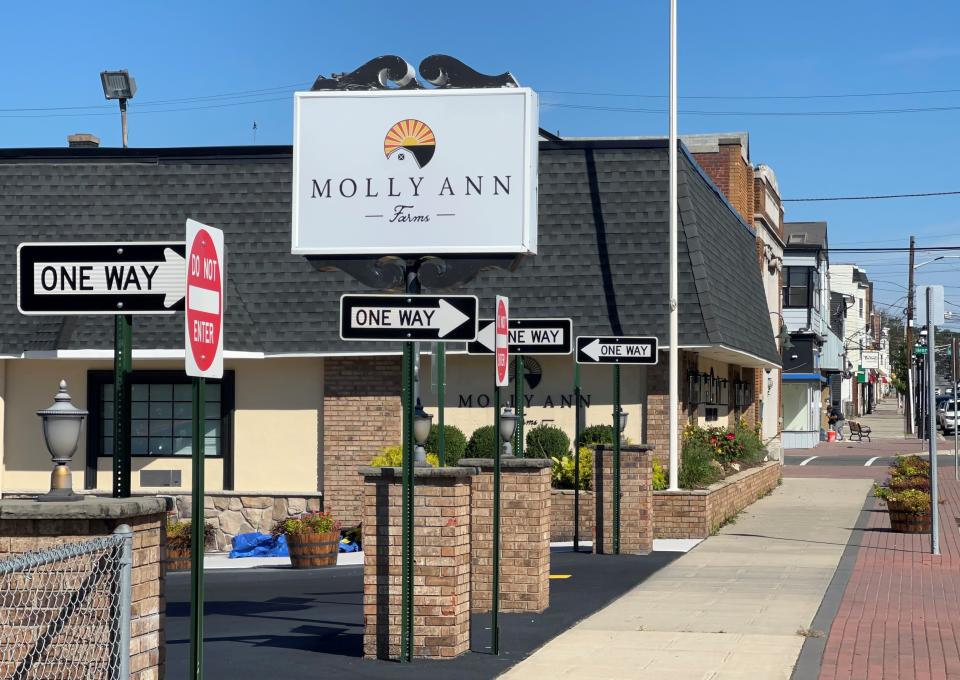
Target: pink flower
point(730, 436)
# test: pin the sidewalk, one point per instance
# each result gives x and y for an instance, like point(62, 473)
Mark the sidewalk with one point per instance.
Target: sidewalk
point(730, 608)
point(900, 613)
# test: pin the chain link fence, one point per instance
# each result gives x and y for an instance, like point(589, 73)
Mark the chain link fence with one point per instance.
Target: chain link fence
point(65, 611)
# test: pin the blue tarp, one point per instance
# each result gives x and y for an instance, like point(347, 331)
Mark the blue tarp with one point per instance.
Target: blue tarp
point(259, 545)
point(346, 545)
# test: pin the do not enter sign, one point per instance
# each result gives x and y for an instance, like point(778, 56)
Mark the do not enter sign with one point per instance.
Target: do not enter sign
point(501, 341)
point(203, 330)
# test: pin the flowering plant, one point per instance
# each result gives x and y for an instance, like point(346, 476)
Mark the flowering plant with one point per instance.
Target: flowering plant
point(307, 523)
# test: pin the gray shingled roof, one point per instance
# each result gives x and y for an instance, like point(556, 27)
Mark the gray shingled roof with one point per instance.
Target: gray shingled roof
point(814, 234)
point(602, 257)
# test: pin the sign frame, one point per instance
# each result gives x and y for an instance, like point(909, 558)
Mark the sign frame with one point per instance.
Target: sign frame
point(565, 325)
point(467, 305)
point(619, 340)
point(525, 244)
point(100, 252)
point(214, 368)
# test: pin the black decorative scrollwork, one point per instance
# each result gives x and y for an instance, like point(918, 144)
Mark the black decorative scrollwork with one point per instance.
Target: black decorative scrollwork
point(450, 272)
point(444, 71)
point(385, 273)
point(376, 74)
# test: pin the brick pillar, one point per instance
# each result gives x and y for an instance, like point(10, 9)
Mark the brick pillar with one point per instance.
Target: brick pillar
point(524, 534)
point(27, 525)
point(636, 500)
point(441, 576)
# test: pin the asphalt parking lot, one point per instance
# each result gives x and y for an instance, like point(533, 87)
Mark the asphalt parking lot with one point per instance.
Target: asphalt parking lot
point(284, 623)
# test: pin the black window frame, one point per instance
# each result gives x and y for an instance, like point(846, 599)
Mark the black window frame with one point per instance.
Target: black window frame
point(97, 379)
point(791, 274)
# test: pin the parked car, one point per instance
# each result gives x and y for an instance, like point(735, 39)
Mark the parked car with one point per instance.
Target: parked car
point(945, 415)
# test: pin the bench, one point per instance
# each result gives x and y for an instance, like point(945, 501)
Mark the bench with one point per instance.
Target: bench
point(859, 431)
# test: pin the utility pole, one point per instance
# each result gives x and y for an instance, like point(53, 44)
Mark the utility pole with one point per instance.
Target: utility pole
point(908, 340)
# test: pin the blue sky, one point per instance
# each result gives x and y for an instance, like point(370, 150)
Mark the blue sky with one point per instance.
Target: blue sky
point(176, 50)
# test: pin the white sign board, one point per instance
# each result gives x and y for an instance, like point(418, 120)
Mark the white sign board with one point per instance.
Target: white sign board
point(205, 286)
point(870, 360)
point(415, 172)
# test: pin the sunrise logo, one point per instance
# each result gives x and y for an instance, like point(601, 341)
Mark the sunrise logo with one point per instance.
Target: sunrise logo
point(413, 136)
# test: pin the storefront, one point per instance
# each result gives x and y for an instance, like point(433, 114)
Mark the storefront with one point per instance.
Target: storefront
point(299, 409)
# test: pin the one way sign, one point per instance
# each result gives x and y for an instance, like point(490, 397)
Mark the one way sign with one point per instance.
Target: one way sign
point(100, 278)
point(616, 350)
point(440, 318)
point(527, 336)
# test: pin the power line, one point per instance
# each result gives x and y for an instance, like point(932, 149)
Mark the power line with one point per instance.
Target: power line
point(756, 97)
point(774, 114)
point(890, 249)
point(874, 197)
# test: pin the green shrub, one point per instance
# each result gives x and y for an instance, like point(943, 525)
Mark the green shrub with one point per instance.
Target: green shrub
point(563, 469)
point(659, 477)
point(180, 534)
point(697, 466)
point(547, 441)
point(481, 443)
point(596, 434)
point(392, 456)
point(911, 500)
point(752, 449)
point(910, 466)
point(455, 442)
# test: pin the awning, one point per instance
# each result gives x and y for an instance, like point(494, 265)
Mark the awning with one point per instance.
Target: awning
point(804, 377)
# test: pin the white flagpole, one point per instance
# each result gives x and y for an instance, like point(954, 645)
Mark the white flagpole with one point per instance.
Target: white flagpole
point(674, 413)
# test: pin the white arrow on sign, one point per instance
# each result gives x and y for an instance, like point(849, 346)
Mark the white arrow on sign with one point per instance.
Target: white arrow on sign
point(129, 278)
point(444, 318)
point(596, 348)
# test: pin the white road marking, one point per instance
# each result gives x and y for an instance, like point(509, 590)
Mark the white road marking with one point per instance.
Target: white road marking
point(870, 462)
point(804, 462)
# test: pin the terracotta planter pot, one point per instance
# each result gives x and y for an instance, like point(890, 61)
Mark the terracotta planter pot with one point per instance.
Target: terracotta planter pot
point(904, 522)
point(177, 559)
point(313, 550)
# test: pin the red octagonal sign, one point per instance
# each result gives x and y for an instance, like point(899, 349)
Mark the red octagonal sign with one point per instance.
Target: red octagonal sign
point(204, 301)
point(501, 341)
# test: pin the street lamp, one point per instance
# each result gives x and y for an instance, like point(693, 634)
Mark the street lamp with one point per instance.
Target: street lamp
point(119, 85)
point(620, 418)
point(62, 422)
point(508, 423)
point(422, 422)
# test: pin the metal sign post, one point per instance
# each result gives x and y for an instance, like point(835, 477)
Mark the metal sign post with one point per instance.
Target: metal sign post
point(502, 375)
point(518, 405)
point(203, 358)
point(616, 459)
point(576, 457)
point(954, 360)
point(616, 350)
point(932, 419)
point(122, 367)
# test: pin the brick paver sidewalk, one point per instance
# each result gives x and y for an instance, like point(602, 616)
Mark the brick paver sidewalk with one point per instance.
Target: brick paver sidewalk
point(900, 613)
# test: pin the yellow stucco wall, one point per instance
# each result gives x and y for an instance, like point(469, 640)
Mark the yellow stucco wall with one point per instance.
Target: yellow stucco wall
point(276, 425)
point(470, 388)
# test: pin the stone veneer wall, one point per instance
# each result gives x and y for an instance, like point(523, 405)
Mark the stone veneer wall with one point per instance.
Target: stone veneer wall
point(698, 513)
point(361, 416)
point(27, 525)
point(561, 515)
point(231, 513)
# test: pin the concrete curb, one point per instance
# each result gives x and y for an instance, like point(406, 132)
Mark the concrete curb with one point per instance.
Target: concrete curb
point(811, 653)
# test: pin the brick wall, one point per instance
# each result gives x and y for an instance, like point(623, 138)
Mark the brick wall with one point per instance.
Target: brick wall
point(525, 515)
point(658, 403)
point(561, 515)
point(361, 416)
point(636, 501)
point(148, 604)
point(441, 601)
point(698, 513)
point(732, 175)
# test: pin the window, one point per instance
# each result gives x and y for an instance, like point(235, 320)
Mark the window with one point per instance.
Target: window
point(161, 418)
point(796, 286)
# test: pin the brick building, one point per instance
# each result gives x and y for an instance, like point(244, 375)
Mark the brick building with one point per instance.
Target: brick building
point(299, 409)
